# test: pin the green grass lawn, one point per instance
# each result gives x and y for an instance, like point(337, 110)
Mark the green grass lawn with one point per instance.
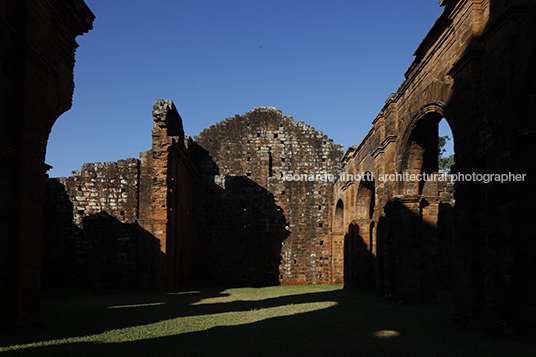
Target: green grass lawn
point(272, 321)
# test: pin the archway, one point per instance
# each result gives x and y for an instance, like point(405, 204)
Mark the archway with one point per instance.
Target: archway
point(423, 211)
point(359, 242)
point(338, 223)
point(337, 244)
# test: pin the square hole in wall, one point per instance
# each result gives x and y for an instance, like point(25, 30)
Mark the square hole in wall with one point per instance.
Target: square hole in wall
point(320, 224)
point(283, 159)
point(249, 158)
point(321, 242)
point(248, 174)
point(323, 160)
point(275, 136)
point(122, 213)
point(123, 190)
point(248, 141)
point(283, 193)
point(81, 211)
point(258, 135)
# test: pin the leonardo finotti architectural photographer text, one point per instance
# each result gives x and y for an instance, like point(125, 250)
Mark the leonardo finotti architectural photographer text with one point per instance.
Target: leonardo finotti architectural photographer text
point(405, 176)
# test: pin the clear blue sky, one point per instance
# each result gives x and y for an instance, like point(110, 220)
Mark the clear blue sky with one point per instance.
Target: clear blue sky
point(331, 64)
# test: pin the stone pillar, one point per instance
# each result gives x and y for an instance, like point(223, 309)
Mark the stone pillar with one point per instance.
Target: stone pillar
point(408, 248)
point(165, 189)
point(37, 41)
point(429, 248)
point(337, 257)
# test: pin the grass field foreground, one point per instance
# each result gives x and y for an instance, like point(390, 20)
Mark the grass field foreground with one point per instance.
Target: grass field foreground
point(271, 321)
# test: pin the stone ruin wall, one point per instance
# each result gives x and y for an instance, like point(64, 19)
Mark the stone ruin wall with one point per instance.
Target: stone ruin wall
point(91, 232)
point(125, 223)
point(486, 81)
point(476, 69)
point(244, 160)
point(233, 218)
point(165, 209)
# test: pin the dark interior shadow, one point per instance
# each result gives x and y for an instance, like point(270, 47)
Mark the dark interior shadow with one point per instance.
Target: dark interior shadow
point(103, 254)
point(491, 219)
point(240, 229)
point(113, 311)
point(408, 252)
point(445, 231)
point(359, 262)
point(60, 262)
point(350, 324)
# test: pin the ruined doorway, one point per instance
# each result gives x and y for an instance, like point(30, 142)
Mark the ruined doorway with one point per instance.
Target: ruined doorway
point(424, 212)
point(359, 242)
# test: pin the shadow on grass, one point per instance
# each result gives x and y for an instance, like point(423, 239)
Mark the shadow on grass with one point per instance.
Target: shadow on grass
point(345, 322)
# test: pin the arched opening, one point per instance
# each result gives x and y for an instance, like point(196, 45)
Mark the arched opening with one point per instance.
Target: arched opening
point(338, 223)
point(445, 147)
point(445, 216)
point(424, 208)
point(420, 158)
point(359, 242)
point(365, 199)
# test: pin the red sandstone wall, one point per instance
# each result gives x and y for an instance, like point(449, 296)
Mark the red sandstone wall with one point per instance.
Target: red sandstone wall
point(165, 208)
point(475, 68)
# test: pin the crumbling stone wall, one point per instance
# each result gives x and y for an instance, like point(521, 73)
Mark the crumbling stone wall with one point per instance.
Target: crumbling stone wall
point(249, 217)
point(91, 232)
point(256, 221)
point(165, 211)
point(126, 223)
point(37, 45)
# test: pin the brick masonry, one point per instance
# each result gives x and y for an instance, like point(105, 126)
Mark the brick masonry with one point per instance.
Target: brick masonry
point(216, 210)
point(256, 225)
point(220, 209)
point(127, 223)
point(91, 233)
point(476, 69)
